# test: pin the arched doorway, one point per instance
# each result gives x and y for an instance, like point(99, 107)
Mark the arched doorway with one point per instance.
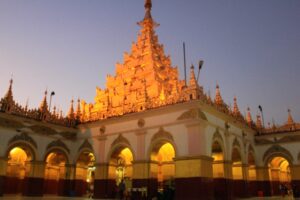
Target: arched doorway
point(279, 173)
point(85, 170)
point(18, 166)
point(218, 170)
point(120, 166)
point(54, 172)
point(252, 190)
point(163, 154)
point(239, 184)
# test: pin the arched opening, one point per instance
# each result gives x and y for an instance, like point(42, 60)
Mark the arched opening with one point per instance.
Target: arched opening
point(85, 171)
point(251, 174)
point(121, 166)
point(55, 171)
point(218, 162)
point(162, 155)
point(279, 173)
point(237, 173)
point(251, 167)
point(18, 166)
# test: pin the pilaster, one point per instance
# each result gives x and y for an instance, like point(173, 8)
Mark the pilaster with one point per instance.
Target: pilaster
point(34, 181)
point(104, 185)
point(263, 181)
point(295, 171)
point(193, 177)
point(3, 166)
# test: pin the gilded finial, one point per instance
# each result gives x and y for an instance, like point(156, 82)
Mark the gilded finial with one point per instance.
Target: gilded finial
point(249, 118)
point(218, 97)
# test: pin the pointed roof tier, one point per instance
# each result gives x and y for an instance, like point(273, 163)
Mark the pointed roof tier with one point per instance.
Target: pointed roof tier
point(78, 113)
point(235, 110)
point(7, 102)
point(218, 97)
point(44, 105)
point(258, 122)
point(71, 114)
point(248, 117)
point(290, 120)
point(193, 81)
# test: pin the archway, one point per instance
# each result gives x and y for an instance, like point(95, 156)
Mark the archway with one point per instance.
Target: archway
point(162, 154)
point(120, 166)
point(18, 166)
point(252, 190)
point(54, 172)
point(85, 170)
point(218, 171)
point(279, 173)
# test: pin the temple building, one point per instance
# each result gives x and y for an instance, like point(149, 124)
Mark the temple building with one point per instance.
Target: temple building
point(150, 129)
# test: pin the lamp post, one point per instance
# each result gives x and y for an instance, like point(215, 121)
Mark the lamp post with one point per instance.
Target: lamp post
point(52, 94)
point(262, 114)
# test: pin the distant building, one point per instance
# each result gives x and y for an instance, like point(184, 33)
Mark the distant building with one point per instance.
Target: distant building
point(148, 127)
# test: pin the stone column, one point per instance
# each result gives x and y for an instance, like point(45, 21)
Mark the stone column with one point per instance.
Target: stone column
point(66, 184)
point(3, 165)
point(263, 181)
point(193, 177)
point(295, 175)
point(33, 184)
point(144, 177)
point(104, 183)
point(240, 180)
point(252, 186)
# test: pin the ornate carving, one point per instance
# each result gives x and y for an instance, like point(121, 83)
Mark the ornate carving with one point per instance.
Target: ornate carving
point(162, 134)
point(120, 140)
point(9, 123)
point(86, 145)
point(23, 137)
point(59, 144)
point(236, 143)
point(277, 150)
point(141, 123)
point(43, 130)
point(102, 130)
point(192, 114)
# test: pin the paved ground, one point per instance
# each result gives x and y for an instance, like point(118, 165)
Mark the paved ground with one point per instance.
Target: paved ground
point(77, 198)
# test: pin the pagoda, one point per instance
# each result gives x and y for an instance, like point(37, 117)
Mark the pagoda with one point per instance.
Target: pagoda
point(146, 79)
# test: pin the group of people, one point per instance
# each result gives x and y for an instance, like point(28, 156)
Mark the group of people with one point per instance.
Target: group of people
point(286, 189)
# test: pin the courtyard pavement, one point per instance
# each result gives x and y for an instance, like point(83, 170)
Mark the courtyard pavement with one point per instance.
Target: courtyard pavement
point(80, 198)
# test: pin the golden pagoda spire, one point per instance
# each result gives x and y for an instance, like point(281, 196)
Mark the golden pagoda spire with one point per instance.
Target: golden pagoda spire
point(44, 105)
point(71, 115)
point(290, 120)
point(148, 6)
point(248, 117)
point(235, 110)
point(193, 81)
point(78, 112)
point(7, 102)
point(258, 122)
point(218, 97)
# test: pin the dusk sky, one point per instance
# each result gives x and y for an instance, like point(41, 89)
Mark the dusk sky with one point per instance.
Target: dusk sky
point(250, 47)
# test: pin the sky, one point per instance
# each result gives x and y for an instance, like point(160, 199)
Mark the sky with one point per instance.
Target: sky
point(251, 48)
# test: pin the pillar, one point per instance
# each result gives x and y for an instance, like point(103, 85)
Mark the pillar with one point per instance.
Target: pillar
point(263, 181)
point(193, 177)
point(239, 180)
point(223, 184)
point(252, 187)
point(144, 177)
point(33, 184)
point(66, 183)
point(104, 183)
point(295, 174)
point(275, 181)
point(3, 165)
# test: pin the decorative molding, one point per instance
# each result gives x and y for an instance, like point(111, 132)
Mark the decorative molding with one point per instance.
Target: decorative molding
point(59, 144)
point(68, 135)
point(141, 123)
point(43, 130)
point(102, 130)
point(277, 150)
point(23, 137)
point(193, 114)
point(86, 145)
point(162, 134)
point(9, 123)
point(120, 140)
